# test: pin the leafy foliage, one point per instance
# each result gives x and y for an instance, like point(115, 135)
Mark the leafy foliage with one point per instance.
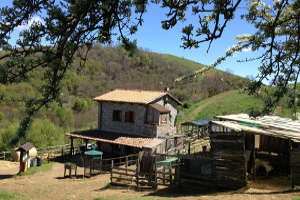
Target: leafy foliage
point(69, 27)
point(44, 133)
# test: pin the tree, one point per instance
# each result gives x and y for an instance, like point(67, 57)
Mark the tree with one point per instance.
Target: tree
point(66, 28)
point(277, 36)
point(71, 27)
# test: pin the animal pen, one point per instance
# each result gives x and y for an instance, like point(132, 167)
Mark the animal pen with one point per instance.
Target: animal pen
point(241, 148)
point(145, 170)
point(271, 144)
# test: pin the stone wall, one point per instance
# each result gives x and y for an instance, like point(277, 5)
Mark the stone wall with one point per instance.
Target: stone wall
point(153, 127)
point(107, 124)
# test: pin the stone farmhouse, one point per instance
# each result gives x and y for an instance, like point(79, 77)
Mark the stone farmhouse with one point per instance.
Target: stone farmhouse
point(132, 120)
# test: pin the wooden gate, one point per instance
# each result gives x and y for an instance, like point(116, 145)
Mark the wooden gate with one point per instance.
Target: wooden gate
point(229, 159)
point(224, 166)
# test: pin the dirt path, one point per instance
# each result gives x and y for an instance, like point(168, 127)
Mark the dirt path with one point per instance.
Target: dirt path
point(52, 185)
point(213, 99)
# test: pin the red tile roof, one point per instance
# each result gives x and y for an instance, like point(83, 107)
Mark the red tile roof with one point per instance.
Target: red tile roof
point(133, 96)
point(115, 138)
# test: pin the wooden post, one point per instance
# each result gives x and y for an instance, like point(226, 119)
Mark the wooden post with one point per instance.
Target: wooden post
point(4, 155)
point(291, 167)
point(164, 175)
point(155, 176)
point(83, 167)
point(71, 147)
point(254, 157)
point(170, 173)
point(189, 149)
point(111, 170)
point(137, 174)
point(86, 144)
point(126, 164)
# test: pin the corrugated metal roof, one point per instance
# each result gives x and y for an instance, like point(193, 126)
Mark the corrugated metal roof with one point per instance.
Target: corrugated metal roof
point(133, 96)
point(198, 122)
point(266, 125)
point(116, 138)
point(266, 121)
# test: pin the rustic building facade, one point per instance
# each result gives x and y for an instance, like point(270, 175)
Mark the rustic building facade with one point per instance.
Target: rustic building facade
point(138, 112)
point(140, 119)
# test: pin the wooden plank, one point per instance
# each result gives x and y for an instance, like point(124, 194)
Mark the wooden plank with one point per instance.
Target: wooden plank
point(124, 169)
point(121, 178)
point(123, 174)
point(227, 146)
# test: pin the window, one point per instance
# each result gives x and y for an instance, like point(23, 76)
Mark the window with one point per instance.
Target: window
point(117, 115)
point(164, 118)
point(129, 116)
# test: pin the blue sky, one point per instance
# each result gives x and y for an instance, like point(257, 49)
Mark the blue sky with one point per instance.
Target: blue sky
point(152, 37)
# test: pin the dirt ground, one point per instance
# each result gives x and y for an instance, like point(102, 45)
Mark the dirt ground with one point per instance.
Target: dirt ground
point(52, 185)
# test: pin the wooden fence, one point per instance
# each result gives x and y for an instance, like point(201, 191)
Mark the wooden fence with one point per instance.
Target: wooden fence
point(49, 153)
point(223, 166)
point(122, 169)
point(128, 172)
point(5, 155)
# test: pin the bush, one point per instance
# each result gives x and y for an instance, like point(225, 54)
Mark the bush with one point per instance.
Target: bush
point(81, 104)
point(64, 115)
point(186, 105)
point(6, 134)
point(44, 133)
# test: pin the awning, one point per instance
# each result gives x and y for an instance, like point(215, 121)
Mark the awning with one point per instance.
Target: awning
point(116, 138)
point(160, 108)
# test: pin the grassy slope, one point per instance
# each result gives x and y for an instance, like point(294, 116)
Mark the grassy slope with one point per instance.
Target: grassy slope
point(225, 103)
point(189, 64)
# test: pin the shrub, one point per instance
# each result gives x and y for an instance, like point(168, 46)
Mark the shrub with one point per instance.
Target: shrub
point(187, 105)
point(6, 134)
point(44, 133)
point(81, 104)
point(64, 115)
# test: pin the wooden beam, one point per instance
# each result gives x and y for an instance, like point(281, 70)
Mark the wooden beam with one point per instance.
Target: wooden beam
point(71, 146)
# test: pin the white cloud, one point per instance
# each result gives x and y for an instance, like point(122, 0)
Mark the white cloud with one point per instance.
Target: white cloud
point(30, 22)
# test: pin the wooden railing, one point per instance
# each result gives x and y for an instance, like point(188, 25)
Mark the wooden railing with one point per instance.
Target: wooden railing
point(5, 155)
point(46, 152)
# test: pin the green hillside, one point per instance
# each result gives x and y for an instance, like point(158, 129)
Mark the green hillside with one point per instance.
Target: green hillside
point(106, 68)
point(230, 102)
point(189, 64)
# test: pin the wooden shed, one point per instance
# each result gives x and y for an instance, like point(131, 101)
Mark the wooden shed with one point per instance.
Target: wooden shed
point(24, 154)
point(273, 141)
point(243, 147)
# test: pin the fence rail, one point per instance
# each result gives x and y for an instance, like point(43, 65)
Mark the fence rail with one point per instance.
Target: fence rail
point(5, 155)
point(45, 152)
